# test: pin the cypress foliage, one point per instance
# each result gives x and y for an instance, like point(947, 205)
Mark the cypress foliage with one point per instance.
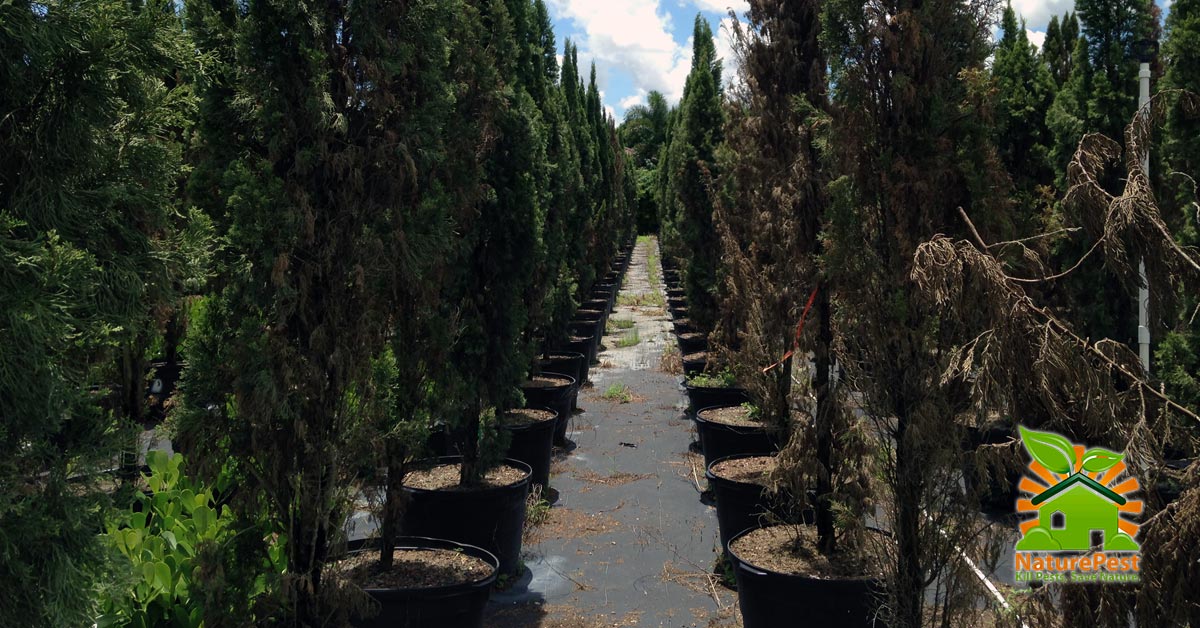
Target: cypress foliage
point(691, 164)
point(1058, 51)
point(321, 231)
point(94, 249)
point(493, 265)
point(563, 182)
point(1110, 27)
point(582, 224)
point(1177, 356)
point(1024, 92)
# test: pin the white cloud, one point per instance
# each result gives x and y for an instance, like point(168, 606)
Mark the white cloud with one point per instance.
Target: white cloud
point(637, 98)
point(1037, 12)
point(1037, 38)
point(632, 37)
point(722, 6)
point(723, 40)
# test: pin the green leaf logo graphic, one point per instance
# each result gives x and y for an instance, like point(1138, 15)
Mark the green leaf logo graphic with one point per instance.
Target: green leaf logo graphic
point(1053, 451)
point(1099, 459)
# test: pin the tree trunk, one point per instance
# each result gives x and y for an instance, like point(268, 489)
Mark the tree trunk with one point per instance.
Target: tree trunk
point(308, 547)
point(910, 586)
point(393, 504)
point(470, 472)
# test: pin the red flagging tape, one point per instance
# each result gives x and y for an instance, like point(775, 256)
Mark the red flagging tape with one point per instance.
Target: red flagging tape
point(799, 328)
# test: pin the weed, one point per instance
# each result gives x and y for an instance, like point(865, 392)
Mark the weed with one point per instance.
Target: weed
point(655, 299)
point(629, 339)
point(619, 393)
point(670, 361)
point(621, 323)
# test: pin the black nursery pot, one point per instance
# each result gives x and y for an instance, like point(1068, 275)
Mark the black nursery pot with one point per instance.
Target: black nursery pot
point(694, 366)
point(718, 440)
point(769, 599)
point(455, 606)
point(572, 363)
point(560, 399)
point(692, 342)
point(590, 330)
point(491, 517)
point(582, 345)
point(709, 396)
point(533, 444)
point(595, 304)
point(740, 505)
point(598, 317)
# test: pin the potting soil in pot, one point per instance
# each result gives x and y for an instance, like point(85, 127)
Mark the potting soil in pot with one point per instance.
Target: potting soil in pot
point(415, 569)
point(444, 477)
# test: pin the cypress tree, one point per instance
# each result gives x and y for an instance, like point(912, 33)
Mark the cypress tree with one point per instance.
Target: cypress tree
point(1177, 356)
point(1025, 90)
point(769, 216)
point(1058, 51)
point(581, 226)
point(324, 219)
point(692, 164)
point(499, 247)
point(555, 280)
point(910, 138)
point(1052, 48)
point(1110, 27)
point(1067, 117)
point(93, 105)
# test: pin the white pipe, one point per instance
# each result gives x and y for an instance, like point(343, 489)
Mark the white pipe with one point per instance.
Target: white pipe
point(1144, 289)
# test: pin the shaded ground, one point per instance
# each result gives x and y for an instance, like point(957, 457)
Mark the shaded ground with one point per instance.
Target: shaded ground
point(628, 543)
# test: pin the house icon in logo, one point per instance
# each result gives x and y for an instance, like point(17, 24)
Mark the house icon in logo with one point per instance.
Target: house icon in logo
point(1076, 508)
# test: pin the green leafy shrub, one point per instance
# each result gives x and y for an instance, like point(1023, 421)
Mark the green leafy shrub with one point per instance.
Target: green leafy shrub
point(164, 537)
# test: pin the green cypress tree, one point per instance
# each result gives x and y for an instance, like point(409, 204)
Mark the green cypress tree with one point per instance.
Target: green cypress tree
point(1177, 356)
point(1110, 27)
point(1067, 117)
point(492, 272)
point(326, 218)
point(1058, 51)
point(692, 165)
point(556, 283)
point(1052, 48)
point(668, 235)
point(1025, 90)
point(93, 106)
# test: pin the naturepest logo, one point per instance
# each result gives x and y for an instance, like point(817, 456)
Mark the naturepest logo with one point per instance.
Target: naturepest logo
point(1080, 502)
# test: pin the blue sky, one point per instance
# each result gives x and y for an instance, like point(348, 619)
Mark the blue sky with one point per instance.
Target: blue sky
point(642, 45)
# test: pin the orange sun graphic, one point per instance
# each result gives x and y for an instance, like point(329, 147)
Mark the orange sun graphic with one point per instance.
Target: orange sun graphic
point(1040, 479)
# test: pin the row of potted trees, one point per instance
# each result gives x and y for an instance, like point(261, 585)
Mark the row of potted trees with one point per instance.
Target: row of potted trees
point(862, 362)
point(332, 229)
point(485, 521)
